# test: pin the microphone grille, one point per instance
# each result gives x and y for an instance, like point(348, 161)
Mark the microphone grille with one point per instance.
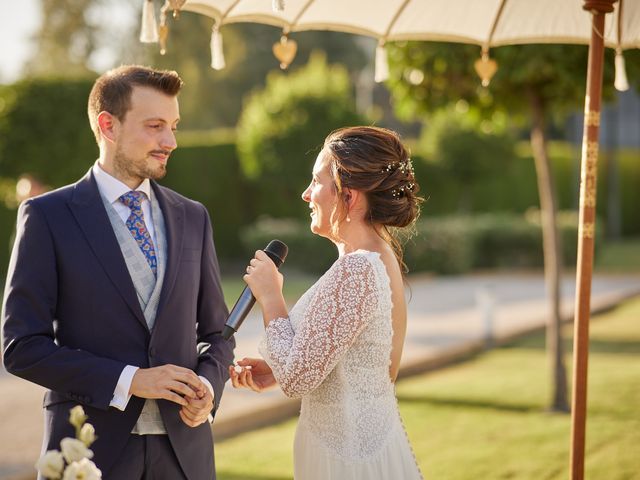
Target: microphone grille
point(277, 249)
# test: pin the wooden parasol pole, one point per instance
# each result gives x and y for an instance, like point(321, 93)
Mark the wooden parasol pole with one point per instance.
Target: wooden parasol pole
point(584, 270)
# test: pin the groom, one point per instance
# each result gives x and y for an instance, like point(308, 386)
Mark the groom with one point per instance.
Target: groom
point(113, 297)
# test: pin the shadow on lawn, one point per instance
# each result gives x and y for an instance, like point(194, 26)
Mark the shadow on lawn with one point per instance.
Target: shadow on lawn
point(465, 403)
point(609, 346)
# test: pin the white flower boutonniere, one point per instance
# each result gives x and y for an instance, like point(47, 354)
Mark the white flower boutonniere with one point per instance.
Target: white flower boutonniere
point(75, 452)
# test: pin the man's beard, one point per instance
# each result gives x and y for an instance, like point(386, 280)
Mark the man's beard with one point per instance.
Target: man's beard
point(137, 168)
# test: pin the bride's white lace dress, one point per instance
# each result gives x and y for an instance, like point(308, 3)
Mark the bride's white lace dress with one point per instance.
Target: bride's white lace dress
point(334, 351)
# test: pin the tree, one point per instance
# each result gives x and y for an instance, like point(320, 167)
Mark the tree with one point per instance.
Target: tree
point(468, 149)
point(214, 98)
point(534, 84)
point(65, 40)
point(282, 129)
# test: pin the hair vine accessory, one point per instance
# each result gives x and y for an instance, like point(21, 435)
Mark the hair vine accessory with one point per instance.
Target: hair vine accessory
point(405, 167)
point(401, 191)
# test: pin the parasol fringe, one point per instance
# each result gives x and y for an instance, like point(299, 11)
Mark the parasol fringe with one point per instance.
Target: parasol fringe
point(621, 83)
point(149, 28)
point(217, 52)
point(382, 64)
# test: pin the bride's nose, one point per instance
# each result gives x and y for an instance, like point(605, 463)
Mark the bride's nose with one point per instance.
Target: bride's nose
point(306, 195)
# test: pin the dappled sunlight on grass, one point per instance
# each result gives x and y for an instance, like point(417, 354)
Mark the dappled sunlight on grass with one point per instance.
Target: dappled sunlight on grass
point(487, 418)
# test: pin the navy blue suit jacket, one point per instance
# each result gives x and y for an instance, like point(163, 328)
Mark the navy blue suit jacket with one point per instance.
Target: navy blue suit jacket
point(72, 321)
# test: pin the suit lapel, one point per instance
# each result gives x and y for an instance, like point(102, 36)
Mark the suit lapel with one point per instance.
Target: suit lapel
point(173, 211)
point(86, 206)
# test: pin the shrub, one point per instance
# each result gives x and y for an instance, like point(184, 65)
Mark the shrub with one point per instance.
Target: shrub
point(467, 149)
point(210, 174)
point(282, 128)
point(451, 244)
point(307, 252)
point(44, 130)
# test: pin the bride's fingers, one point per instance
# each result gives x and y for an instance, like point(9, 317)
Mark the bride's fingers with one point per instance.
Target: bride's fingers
point(252, 384)
point(247, 362)
point(243, 378)
point(232, 377)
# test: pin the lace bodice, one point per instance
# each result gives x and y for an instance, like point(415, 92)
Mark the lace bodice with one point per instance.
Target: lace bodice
point(334, 351)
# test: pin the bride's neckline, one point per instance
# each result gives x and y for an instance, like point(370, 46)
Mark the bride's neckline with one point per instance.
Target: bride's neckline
point(363, 250)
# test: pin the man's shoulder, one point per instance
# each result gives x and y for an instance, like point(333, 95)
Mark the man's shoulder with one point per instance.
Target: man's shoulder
point(175, 198)
point(59, 196)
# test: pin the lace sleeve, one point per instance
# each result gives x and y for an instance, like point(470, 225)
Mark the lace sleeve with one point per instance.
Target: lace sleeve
point(334, 318)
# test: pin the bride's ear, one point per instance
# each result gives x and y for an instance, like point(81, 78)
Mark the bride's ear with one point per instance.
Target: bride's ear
point(351, 197)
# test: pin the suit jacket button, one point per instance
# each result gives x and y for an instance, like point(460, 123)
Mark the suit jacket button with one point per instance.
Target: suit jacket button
point(152, 352)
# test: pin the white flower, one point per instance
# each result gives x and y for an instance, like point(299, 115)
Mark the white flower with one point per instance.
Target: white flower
point(85, 469)
point(87, 434)
point(50, 464)
point(77, 417)
point(74, 450)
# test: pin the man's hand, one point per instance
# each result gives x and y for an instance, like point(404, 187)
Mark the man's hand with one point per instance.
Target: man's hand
point(170, 382)
point(198, 409)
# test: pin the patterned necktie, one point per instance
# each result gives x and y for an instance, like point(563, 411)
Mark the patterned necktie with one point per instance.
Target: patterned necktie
point(137, 227)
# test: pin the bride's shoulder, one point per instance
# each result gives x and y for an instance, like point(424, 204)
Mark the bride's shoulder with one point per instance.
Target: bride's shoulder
point(357, 258)
point(356, 264)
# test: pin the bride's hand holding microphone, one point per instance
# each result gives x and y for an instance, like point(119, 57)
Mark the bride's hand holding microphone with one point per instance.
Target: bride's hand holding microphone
point(265, 282)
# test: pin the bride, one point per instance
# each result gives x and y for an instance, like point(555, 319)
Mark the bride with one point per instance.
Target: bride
point(339, 347)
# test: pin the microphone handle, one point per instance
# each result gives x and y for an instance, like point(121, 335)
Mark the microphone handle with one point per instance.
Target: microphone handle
point(244, 304)
point(239, 312)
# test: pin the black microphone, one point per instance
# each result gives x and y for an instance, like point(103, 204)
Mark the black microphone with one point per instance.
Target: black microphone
point(277, 252)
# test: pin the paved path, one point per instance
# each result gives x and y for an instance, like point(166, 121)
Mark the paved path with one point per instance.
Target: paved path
point(449, 317)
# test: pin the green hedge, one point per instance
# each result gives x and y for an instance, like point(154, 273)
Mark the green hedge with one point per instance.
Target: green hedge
point(211, 175)
point(44, 130)
point(446, 245)
point(307, 252)
point(7, 231)
point(514, 190)
point(457, 244)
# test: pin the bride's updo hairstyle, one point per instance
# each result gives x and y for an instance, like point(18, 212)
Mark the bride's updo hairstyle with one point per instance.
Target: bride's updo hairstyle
point(374, 161)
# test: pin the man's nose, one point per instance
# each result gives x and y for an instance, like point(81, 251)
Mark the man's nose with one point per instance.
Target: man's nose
point(169, 140)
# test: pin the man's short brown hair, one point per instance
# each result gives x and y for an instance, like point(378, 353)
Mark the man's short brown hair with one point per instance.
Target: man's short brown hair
point(112, 91)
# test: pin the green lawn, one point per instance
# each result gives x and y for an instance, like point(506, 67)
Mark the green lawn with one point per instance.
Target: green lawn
point(485, 419)
point(620, 256)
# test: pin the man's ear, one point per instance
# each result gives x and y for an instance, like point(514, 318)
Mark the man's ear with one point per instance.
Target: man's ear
point(107, 124)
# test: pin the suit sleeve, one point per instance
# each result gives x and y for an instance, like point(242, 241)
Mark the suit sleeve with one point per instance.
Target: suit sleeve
point(29, 321)
point(215, 354)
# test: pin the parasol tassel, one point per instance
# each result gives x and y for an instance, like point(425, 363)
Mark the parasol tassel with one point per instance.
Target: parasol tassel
point(217, 53)
point(621, 83)
point(277, 5)
point(149, 28)
point(485, 68)
point(382, 64)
